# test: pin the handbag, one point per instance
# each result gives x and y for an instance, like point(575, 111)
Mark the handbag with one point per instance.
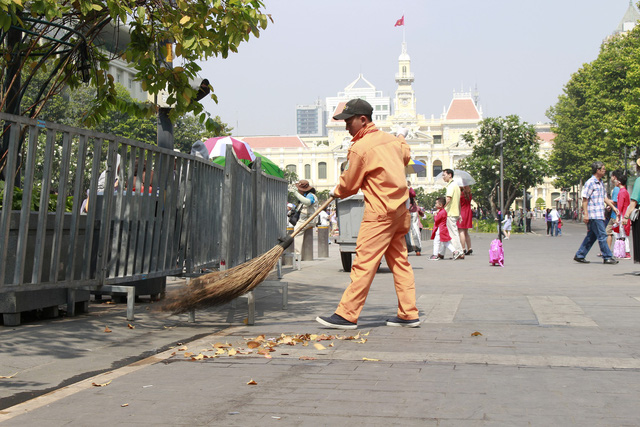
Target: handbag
point(634, 215)
point(295, 216)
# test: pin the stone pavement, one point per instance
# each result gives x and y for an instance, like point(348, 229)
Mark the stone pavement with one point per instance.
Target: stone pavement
point(543, 341)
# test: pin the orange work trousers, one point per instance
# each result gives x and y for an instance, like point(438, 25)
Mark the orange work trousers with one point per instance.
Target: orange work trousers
point(381, 235)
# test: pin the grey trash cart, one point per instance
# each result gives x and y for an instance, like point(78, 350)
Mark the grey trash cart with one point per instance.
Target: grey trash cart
point(349, 212)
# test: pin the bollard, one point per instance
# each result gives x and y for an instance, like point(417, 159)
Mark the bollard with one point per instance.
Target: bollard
point(287, 256)
point(307, 246)
point(323, 241)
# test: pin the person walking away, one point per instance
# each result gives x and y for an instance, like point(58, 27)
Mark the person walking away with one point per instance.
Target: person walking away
point(414, 243)
point(466, 219)
point(307, 199)
point(453, 211)
point(554, 216)
point(547, 217)
point(440, 234)
point(376, 165)
point(611, 216)
point(506, 225)
point(593, 200)
point(623, 202)
point(528, 219)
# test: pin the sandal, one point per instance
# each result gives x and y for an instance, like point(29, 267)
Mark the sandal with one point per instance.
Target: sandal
point(469, 252)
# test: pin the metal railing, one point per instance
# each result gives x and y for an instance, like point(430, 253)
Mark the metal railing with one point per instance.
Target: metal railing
point(112, 210)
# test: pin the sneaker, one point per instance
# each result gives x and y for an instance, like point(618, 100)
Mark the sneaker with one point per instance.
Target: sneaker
point(336, 321)
point(581, 260)
point(396, 321)
point(440, 256)
point(418, 253)
point(434, 258)
point(627, 256)
point(610, 261)
point(458, 255)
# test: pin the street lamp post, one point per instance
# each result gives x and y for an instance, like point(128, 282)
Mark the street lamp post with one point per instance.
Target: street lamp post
point(501, 145)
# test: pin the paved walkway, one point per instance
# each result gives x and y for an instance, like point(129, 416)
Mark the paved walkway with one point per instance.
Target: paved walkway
point(543, 341)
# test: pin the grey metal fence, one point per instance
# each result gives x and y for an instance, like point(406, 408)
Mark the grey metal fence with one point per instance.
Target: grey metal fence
point(94, 209)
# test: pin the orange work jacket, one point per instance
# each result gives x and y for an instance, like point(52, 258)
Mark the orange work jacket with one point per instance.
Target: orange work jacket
point(376, 165)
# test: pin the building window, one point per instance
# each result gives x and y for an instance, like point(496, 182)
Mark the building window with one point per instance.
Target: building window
point(322, 170)
point(404, 71)
point(437, 139)
point(307, 171)
point(291, 168)
point(437, 167)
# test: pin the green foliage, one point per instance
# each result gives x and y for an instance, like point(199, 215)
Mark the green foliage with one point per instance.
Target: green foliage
point(596, 117)
point(428, 200)
point(523, 166)
point(17, 201)
point(197, 30)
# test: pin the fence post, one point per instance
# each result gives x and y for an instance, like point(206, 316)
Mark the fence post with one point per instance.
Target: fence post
point(227, 208)
point(323, 241)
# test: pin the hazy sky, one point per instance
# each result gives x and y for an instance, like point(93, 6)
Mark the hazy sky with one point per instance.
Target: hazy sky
point(519, 54)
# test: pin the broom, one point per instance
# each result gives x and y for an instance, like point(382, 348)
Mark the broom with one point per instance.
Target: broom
point(221, 287)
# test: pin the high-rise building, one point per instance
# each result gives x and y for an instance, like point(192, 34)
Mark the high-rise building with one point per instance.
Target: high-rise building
point(311, 119)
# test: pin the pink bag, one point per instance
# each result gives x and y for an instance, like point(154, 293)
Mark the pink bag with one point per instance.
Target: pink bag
point(619, 250)
point(496, 253)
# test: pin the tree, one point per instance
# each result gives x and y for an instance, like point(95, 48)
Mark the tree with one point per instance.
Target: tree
point(428, 200)
point(596, 116)
point(523, 166)
point(73, 41)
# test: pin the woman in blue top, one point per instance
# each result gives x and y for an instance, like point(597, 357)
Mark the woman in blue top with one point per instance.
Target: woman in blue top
point(307, 201)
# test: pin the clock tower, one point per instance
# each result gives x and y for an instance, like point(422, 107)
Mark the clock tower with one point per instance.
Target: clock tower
point(405, 102)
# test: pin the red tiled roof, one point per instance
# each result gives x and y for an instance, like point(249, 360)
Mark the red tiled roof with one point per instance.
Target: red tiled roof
point(258, 142)
point(462, 109)
point(338, 110)
point(547, 136)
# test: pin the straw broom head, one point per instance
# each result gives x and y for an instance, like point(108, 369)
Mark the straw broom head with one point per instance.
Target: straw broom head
point(221, 287)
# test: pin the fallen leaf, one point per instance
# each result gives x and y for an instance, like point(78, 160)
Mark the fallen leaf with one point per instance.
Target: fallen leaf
point(305, 344)
point(221, 351)
point(131, 326)
point(221, 345)
point(362, 341)
point(252, 382)
point(183, 348)
point(306, 358)
point(8, 376)
point(313, 337)
point(276, 418)
point(319, 346)
point(106, 329)
point(101, 385)
point(367, 334)
point(331, 345)
point(198, 357)
point(476, 334)
point(232, 352)
point(188, 354)
point(124, 405)
point(109, 302)
point(370, 360)
point(253, 344)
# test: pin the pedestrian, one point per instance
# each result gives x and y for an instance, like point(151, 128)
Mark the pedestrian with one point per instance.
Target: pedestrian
point(528, 219)
point(333, 219)
point(440, 233)
point(593, 201)
point(631, 216)
point(323, 220)
point(554, 216)
point(453, 211)
point(547, 217)
point(506, 225)
point(376, 165)
point(623, 201)
point(559, 226)
point(466, 219)
point(307, 199)
point(609, 215)
point(414, 243)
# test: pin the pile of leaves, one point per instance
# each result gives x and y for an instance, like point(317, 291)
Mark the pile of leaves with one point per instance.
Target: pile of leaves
point(263, 346)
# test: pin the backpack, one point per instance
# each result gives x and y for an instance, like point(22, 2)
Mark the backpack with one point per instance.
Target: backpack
point(496, 253)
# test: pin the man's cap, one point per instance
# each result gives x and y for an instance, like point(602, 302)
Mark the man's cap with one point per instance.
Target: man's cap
point(355, 107)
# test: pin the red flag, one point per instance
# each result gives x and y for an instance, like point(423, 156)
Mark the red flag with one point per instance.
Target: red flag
point(400, 22)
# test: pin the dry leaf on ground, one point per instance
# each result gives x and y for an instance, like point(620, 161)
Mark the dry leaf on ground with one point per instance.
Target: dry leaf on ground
point(366, 359)
point(6, 377)
point(476, 334)
point(319, 346)
point(101, 385)
point(106, 329)
point(252, 382)
point(131, 326)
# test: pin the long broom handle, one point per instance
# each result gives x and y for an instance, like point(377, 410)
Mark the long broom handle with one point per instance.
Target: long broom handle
point(315, 214)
